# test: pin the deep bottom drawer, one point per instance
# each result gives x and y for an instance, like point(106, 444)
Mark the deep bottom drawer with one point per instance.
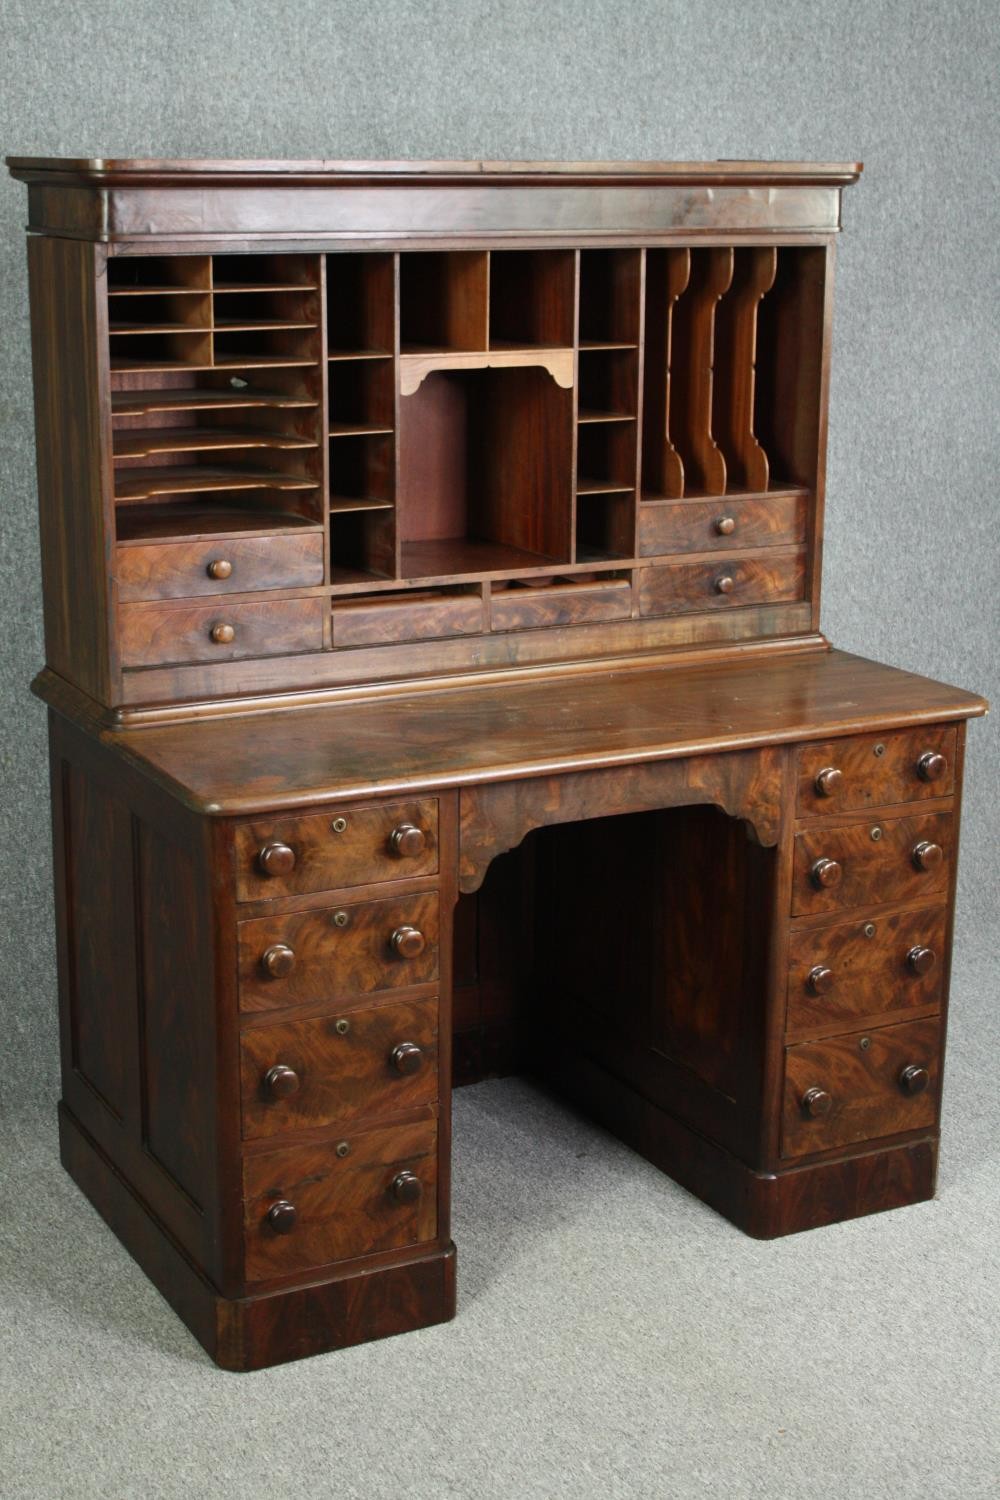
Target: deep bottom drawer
point(309, 1205)
point(861, 1086)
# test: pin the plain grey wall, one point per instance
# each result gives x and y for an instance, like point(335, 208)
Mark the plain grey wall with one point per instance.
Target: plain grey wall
point(912, 551)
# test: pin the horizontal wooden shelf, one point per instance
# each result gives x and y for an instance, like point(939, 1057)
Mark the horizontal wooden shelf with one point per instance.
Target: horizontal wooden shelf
point(337, 354)
point(589, 346)
point(226, 287)
point(416, 363)
point(126, 330)
point(587, 415)
point(141, 484)
point(252, 325)
point(261, 362)
point(603, 487)
point(466, 555)
point(339, 504)
point(163, 523)
point(358, 429)
point(734, 492)
point(159, 290)
point(150, 365)
point(141, 403)
point(132, 444)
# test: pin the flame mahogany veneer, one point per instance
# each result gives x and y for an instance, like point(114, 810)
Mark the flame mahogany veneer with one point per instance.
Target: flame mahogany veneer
point(431, 559)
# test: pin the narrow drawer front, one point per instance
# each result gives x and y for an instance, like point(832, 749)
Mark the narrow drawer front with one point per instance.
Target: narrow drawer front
point(861, 1086)
point(721, 525)
point(154, 635)
point(561, 604)
point(309, 1205)
point(876, 861)
point(380, 622)
point(873, 770)
point(334, 1069)
point(327, 851)
point(338, 952)
point(683, 588)
point(182, 570)
point(842, 974)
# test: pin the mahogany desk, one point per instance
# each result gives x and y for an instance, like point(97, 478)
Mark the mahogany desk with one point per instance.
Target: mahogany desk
point(432, 557)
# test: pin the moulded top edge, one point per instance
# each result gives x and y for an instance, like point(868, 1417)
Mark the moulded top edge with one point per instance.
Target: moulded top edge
point(105, 171)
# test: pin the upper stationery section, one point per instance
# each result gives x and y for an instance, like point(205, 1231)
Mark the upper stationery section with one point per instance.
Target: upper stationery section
point(312, 426)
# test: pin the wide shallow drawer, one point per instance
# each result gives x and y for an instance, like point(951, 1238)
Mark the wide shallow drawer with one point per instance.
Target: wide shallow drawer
point(333, 1069)
point(683, 588)
point(327, 851)
point(233, 565)
point(872, 770)
point(563, 603)
point(154, 635)
point(861, 1086)
point(879, 860)
point(338, 952)
point(308, 1205)
point(424, 615)
point(843, 973)
point(721, 525)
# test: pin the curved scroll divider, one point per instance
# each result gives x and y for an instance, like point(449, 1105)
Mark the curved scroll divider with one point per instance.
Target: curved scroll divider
point(667, 276)
point(735, 368)
point(499, 815)
point(414, 368)
point(692, 372)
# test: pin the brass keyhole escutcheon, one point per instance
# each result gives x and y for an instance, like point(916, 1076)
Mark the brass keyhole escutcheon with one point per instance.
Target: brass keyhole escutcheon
point(865, 1043)
point(342, 1027)
point(340, 919)
point(343, 1148)
point(869, 929)
point(339, 825)
point(879, 750)
point(876, 834)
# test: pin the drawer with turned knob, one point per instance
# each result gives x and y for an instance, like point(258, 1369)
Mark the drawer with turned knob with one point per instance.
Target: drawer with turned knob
point(860, 1086)
point(710, 525)
point(871, 862)
point(187, 631)
point(869, 966)
point(336, 952)
point(356, 1193)
point(328, 851)
point(332, 1069)
point(876, 770)
point(218, 565)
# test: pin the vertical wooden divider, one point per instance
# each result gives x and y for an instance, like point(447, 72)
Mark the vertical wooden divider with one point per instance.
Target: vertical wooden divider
point(667, 276)
point(640, 355)
point(397, 560)
point(574, 462)
point(324, 429)
point(754, 271)
point(692, 372)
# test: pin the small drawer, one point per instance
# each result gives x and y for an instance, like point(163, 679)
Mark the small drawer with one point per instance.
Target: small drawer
point(684, 588)
point(306, 1206)
point(423, 615)
point(336, 1068)
point(231, 565)
point(861, 1086)
point(336, 953)
point(562, 603)
point(721, 525)
point(873, 770)
point(154, 635)
point(328, 851)
point(871, 863)
point(844, 973)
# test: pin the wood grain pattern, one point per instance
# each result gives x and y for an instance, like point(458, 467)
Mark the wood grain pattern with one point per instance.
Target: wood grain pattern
point(181, 570)
point(328, 858)
point(694, 526)
point(876, 770)
point(864, 1083)
point(870, 975)
point(335, 962)
point(693, 357)
point(344, 1204)
point(560, 604)
point(155, 634)
point(378, 619)
point(674, 588)
point(873, 871)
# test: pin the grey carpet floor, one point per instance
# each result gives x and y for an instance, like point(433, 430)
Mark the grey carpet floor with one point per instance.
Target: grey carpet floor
point(615, 1338)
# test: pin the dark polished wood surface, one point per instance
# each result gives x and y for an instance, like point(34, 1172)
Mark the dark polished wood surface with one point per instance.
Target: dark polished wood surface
point(239, 764)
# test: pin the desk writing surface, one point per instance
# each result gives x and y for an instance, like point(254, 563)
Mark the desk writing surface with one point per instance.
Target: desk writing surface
point(460, 736)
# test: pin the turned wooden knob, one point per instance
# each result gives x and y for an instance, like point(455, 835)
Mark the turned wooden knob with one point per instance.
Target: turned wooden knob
point(821, 980)
point(407, 841)
point(927, 856)
point(407, 1188)
point(281, 1082)
point(220, 568)
point(921, 960)
point(276, 859)
point(725, 525)
point(222, 634)
point(829, 781)
point(725, 583)
point(278, 960)
point(281, 1216)
point(407, 1057)
point(408, 942)
point(913, 1079)
point(825, 873)
point(931, 766)
point(816, 1103)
